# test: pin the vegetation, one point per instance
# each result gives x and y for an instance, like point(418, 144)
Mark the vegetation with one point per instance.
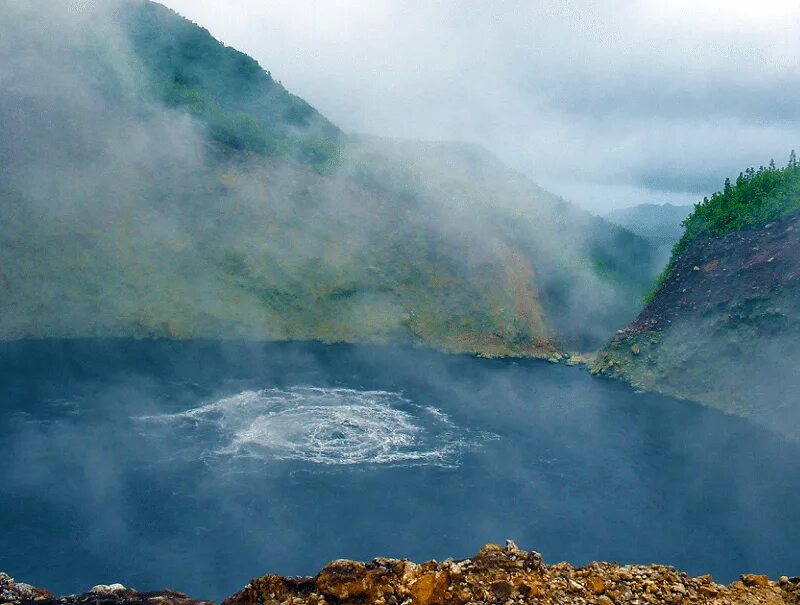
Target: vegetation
point(758, 197)
point(239, 104)
point(153, 232)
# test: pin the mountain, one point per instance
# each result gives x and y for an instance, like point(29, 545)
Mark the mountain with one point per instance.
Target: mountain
point(156, 183)
point(722, 326)
point(659, 223)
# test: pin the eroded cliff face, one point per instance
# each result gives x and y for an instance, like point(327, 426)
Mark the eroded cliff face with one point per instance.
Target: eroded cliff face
point(503, 575)
point(723, 328)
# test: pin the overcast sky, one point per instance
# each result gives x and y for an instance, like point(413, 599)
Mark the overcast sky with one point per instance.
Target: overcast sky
point(607, 103)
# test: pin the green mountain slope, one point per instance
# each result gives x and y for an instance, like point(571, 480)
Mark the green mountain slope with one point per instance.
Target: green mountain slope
point(156, 183)
point(238, 103)
point(722, 325)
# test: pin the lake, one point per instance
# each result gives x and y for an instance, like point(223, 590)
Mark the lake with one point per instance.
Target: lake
point(198, 465)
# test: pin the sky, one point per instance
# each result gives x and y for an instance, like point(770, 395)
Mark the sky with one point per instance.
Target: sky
point(607, 103)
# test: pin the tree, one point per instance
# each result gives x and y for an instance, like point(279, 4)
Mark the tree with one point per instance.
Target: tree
point(793, 159)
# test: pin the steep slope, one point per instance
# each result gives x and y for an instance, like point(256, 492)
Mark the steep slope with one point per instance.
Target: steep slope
point(157, 183)
point(722, 327)
point(589, 273)
point(237, 102)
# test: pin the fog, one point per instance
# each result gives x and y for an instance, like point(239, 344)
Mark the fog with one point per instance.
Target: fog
point(115, 474)
point(607, 104)
point(144, 264)
point(153, 230)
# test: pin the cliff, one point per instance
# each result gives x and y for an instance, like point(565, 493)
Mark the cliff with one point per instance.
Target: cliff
point(722, 329)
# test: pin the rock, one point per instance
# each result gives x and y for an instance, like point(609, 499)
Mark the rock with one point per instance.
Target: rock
point(495, 576)
point(595, 585)
point(530, 589)
point(343, 579)
point(12, 592)
point(678, 588)
point(755, 580)
point(429, 588)
point(489, 550)
point(18, 593)
point(25, 591)
point(107, 588)
point(502, 590)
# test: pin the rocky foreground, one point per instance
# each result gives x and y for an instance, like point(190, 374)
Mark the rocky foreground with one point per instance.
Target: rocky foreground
point(501, 575)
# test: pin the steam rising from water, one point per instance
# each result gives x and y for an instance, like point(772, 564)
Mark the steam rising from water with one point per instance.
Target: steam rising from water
point(330, 426)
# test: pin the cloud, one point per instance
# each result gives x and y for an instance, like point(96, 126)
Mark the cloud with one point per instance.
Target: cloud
point(577, 94)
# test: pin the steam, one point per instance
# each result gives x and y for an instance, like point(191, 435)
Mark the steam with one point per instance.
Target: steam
point(610, 106)
point(576, 467)
point(150, 229)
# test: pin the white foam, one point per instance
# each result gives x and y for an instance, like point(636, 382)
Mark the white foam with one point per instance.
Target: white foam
point(332, 426)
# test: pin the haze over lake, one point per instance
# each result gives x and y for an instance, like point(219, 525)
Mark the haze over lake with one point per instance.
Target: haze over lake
point(199, 465)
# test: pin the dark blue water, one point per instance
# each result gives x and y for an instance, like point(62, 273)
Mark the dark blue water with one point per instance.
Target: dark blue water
point(200, 465)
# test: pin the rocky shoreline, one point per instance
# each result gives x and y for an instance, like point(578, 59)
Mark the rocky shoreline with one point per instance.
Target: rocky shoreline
point(498, 575)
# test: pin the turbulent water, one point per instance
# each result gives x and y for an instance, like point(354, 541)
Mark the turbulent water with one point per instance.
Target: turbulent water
point(330, 426)
point(199, 465)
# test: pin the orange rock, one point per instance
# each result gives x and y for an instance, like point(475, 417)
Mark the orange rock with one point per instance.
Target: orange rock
point(506, 576)
point(530, 589)
point(750, 579)
point(429, 588)
point(595, 585)
point(343, 579)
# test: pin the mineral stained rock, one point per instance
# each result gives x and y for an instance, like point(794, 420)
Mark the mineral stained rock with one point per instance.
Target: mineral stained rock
point(508, 575)
point(496, 575)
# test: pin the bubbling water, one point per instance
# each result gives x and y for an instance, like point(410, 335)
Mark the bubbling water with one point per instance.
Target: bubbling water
point(328, 426)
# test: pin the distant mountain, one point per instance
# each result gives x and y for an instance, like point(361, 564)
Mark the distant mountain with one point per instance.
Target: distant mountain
point(156, 183)
point(659, 223)
point(721, 327)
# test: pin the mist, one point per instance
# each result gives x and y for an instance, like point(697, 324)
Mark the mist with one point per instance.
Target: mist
point(244, 331)
point(573, 468)
point(607, 105)
point(155, 229)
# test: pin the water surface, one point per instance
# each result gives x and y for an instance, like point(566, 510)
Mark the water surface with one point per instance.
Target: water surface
point(199, 465)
